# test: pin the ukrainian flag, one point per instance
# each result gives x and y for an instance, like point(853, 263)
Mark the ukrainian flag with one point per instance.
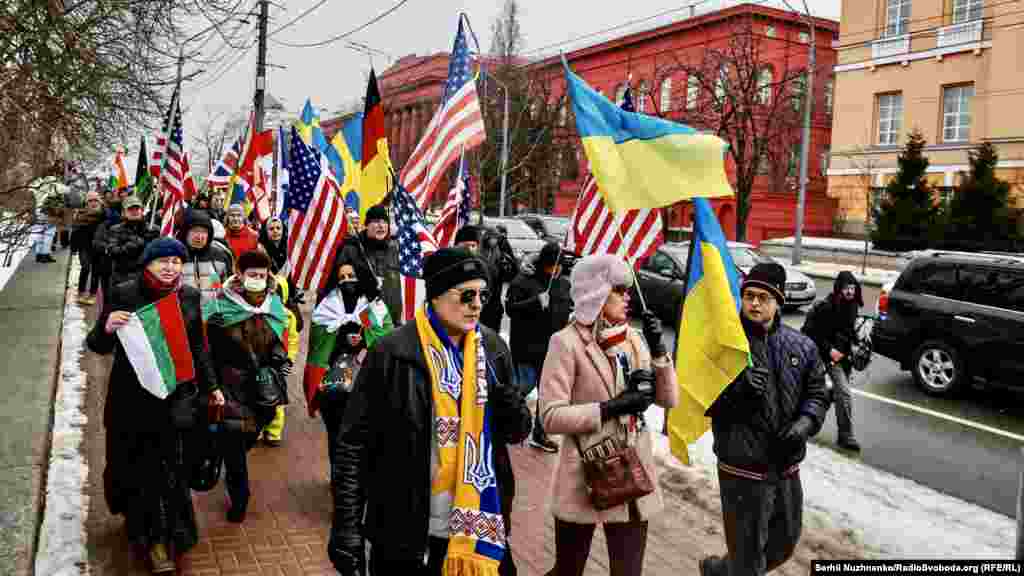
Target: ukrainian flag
point(712, 349)
point(641, 161)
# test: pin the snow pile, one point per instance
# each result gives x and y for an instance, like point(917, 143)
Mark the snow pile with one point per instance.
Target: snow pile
point(62, 537)
point(856, 504)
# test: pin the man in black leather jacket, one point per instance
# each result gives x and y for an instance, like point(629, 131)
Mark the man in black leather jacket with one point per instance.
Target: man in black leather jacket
point(761, 423)
point(386, 450)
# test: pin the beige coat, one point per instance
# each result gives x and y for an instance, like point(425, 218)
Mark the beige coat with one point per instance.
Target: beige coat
point(576, 378)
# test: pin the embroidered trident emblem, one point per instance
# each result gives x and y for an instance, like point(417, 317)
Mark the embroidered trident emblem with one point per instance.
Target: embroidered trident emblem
point(449, 376)
point(478, 471)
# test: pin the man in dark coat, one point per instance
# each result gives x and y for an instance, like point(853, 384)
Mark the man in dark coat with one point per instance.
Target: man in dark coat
point(388, 451)
point(375, 250)
point(125, 241)
point(112, 216)
point(761, 423)
point(538, 305)
point(208, 264)
point(87, 221)
point(831, 323)
point(500, 270)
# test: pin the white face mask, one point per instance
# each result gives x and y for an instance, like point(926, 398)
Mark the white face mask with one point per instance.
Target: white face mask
point(255, 284)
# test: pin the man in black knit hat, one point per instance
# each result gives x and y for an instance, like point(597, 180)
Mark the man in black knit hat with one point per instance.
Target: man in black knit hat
point(375, 250)
point(761, 423)
point(400, 429)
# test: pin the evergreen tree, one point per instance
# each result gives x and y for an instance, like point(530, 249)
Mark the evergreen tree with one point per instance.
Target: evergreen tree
point(906, 216)
point(979, 216)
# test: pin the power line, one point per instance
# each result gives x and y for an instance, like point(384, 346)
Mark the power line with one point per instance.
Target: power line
point(376, 19)
point(299, 17)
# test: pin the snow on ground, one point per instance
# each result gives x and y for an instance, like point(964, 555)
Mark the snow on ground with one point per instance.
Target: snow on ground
point(10, 259)
point(893, 515)
point(62, 537)
point(823, 243)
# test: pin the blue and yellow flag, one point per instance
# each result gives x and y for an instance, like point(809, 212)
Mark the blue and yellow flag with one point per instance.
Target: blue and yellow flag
point(712, 348)
point(641, 161)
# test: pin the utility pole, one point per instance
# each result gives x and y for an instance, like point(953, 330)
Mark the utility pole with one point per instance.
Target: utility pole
point(504, 156)
point(261, 68)
point(805, 142)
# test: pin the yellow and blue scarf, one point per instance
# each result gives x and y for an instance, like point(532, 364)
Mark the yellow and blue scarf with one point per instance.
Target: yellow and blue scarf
point(462, 424)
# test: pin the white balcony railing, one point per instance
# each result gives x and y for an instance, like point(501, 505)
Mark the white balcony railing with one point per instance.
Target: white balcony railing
point(890, 46)
point(962, 33)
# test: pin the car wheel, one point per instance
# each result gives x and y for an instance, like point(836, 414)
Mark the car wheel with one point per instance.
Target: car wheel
point(938, 369)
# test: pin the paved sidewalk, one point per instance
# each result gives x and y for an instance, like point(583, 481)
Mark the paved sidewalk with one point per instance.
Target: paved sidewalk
point(285, 532)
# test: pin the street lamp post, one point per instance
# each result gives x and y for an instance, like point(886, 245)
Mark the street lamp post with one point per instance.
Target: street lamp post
point(805, 141)
point(504, 146)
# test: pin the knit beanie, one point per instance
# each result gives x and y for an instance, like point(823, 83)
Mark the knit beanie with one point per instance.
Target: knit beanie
point(378, 212)
point(253, 259)
point(548, 255)
point(769, 276)
point(161, 248)
point(467, 233)
point(592, 279)
point(449, 267)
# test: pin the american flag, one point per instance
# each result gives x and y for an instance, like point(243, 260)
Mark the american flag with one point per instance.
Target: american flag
point(455, 214)
point(596, 230)
point(226, 167)
point(172, 175)
point(189, 184)
point(415, 243)
point(318, 218)
point(156, 161)
point(458, 125)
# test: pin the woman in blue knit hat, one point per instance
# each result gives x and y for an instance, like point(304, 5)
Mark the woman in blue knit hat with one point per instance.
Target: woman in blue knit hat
point(146, 478)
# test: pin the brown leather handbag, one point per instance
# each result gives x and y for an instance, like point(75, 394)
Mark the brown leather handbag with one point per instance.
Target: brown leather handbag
point(614, 473)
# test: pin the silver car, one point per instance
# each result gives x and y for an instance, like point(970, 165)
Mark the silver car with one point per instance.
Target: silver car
point(800, 288)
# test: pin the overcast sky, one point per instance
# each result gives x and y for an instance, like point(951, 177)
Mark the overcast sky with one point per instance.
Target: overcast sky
point(333, 75)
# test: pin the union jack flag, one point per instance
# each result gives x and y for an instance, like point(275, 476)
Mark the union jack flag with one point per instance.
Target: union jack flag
point(415, 242)
point(226, 167)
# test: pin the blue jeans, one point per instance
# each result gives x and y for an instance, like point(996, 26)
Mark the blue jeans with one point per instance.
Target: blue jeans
point(529, 378)
point(44, 239)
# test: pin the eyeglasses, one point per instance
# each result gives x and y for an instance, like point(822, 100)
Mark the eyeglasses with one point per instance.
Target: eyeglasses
point(758, 297)
point(621, 289)
point(469, 295)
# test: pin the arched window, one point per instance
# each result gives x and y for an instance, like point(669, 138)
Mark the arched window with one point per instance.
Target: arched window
point(666, 95)
point(764, 85)
point(692, 91)
point(721, 85)
point(642, 94)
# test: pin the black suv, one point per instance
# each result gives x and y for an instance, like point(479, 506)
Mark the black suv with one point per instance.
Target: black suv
point(953, 317)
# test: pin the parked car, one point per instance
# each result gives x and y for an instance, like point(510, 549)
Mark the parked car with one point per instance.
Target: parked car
point(521, 237)
point(954, 317)
point(549, 228)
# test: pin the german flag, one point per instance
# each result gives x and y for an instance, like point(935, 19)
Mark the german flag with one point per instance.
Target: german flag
point(377, 175)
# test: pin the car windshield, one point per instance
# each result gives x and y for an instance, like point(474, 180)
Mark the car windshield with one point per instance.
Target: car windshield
point(747, 257)
point(557, 227)
point(516, 229)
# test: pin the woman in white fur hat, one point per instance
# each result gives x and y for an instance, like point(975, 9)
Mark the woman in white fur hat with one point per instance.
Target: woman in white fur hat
point(599, 377)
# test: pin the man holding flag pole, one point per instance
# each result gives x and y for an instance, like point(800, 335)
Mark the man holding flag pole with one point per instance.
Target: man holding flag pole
point(761, 382)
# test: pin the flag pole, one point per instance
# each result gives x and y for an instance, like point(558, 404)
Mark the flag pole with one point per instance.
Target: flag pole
point(632, 272)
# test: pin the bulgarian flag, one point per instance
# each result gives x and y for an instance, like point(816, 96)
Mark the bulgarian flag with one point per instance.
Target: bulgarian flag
point(155, 341)
point(328, 317)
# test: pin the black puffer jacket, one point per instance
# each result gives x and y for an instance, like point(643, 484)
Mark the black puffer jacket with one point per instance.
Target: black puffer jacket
point(383, 450)
point(746, 427)
point(207, 268)
point(831, 322)
point(123, 244)
point(531, 326)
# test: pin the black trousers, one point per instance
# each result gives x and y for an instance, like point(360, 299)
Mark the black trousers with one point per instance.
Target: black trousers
point(627, 543)
point(387, 563)
point(89, 275)
point(235, 447)
point(332, 408)
point(762, 521)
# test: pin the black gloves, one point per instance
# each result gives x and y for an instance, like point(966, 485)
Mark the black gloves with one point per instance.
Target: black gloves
point(758, 380)
point(653, 333)
point(347, 555)
point(629, 402)
point(798, 432)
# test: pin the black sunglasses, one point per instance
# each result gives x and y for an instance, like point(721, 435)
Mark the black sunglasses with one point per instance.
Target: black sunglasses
point(469, 295)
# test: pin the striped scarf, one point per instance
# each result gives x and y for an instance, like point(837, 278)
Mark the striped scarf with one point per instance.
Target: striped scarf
point(465, 453)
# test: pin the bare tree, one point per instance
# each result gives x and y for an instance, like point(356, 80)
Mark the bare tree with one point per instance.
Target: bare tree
point(82, 75)
point(211, 139)
point(749, 94)
point(507, 42)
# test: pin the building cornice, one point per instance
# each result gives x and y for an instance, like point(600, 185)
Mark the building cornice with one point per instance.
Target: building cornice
point(906, 59)
point(932, 169)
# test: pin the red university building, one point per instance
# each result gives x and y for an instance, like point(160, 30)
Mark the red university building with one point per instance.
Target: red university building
point(412, 88)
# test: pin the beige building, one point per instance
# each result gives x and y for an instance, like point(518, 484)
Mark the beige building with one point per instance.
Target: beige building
point(953, 69)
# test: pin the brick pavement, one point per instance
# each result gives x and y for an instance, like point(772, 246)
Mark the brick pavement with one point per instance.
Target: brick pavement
point(286, 529)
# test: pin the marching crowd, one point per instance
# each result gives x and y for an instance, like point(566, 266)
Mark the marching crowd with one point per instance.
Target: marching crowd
point(419, 415)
